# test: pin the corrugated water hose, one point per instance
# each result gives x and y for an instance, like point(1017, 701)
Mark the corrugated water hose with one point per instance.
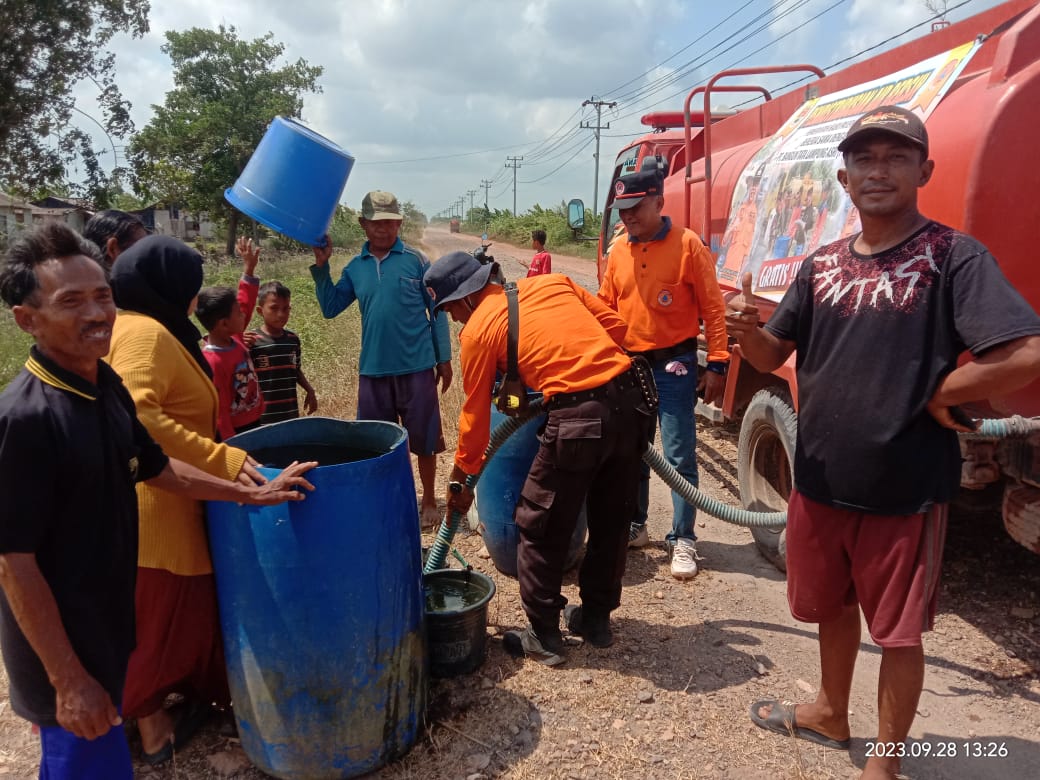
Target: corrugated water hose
point(450, 524)
point(1005, 428)
point(988, 428)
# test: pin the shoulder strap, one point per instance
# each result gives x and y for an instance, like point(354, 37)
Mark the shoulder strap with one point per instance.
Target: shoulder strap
point(513, 337)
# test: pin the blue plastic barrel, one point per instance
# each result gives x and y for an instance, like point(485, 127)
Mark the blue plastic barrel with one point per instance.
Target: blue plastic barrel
point(321, 603)
point(499, 490)
point(293, 181)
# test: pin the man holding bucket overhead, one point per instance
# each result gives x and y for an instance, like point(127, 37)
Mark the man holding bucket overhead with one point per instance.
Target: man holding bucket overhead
point(405, 347)
point(600, 403)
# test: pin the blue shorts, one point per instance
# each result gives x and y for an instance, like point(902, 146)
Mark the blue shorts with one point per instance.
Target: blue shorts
point(408, 399)
point(64, 756)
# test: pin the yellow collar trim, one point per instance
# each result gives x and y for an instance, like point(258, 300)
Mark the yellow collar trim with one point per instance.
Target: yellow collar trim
point(35, 368)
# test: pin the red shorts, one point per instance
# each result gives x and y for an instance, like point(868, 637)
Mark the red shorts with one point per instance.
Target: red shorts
point(888, 564)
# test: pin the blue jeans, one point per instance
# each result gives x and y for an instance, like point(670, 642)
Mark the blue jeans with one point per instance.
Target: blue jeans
point(677, 396)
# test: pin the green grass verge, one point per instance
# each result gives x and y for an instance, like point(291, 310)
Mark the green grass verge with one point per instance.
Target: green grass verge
point(330, 347)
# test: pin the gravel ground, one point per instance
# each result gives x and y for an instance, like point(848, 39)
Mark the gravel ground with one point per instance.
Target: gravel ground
point(670, 698)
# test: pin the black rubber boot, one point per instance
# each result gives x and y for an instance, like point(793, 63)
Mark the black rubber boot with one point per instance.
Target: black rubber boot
point(594, 628)
point(548, 651)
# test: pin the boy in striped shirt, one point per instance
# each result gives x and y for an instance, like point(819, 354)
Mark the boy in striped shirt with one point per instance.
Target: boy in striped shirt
point(275, 351)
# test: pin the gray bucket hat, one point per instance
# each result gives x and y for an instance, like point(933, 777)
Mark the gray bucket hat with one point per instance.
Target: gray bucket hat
point(455, 276)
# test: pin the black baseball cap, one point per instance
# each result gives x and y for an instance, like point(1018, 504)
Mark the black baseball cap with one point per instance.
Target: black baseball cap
point(888, 119)
point(630, 190)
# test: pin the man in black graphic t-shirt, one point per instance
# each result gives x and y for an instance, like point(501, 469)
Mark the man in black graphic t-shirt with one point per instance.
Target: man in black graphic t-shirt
point(878, 322)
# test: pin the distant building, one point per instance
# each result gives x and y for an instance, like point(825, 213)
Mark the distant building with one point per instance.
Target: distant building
point(171, 220)
point(17, 216)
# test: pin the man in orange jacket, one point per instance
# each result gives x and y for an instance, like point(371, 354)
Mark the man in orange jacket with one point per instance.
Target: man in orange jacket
point(592, 441)
point(661, 280)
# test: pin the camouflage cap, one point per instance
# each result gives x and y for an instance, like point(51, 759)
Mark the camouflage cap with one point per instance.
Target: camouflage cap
point(380, 205)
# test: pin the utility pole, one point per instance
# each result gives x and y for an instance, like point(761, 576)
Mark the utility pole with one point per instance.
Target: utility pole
point(471, 193)
point(595, 129)
point(514, 163)
point(462, 206)
point(486, 184)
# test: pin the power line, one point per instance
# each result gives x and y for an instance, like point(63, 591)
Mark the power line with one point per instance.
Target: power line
point(684, 48)
point(860, 53)
point(703, 58)
point(559, 167)
point(742, 59)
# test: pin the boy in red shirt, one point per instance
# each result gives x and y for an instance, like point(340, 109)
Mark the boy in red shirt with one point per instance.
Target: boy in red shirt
point(225, 315)
point(541, 263)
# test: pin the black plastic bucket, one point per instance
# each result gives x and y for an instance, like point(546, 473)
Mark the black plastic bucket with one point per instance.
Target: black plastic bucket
point(456, 619)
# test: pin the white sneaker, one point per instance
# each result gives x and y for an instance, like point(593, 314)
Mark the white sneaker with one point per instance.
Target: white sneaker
point(684, 559)
point(637, 536)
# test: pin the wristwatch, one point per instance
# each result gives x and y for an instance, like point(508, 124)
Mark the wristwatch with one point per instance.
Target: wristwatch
point(717, 367)
point(455, 487)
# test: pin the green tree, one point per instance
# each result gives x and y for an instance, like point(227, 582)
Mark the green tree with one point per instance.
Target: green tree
point(226, 92)
point(49, 47)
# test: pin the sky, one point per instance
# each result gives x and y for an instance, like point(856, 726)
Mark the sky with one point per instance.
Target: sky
point(432, 97)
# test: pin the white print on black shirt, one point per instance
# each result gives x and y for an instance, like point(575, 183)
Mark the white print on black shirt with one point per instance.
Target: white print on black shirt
point(849, 284)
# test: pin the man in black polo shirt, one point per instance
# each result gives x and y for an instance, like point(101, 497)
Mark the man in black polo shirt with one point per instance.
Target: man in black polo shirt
point(71, 452)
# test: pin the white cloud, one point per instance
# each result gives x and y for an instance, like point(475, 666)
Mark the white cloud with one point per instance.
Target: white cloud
point(408, 79)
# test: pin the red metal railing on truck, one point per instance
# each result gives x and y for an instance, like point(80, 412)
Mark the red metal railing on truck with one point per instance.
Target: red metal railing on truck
point(708, 90)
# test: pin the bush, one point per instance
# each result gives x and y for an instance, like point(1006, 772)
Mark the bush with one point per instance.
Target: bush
point(503, 226)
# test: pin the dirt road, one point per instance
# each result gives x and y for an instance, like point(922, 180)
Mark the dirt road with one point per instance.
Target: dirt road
point(438, 241)
point(670, 698)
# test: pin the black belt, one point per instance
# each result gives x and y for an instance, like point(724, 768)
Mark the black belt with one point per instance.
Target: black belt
point(667, 353)
point(622, 382)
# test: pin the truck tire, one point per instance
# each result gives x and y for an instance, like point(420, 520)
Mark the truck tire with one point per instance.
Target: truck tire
point(765, 464)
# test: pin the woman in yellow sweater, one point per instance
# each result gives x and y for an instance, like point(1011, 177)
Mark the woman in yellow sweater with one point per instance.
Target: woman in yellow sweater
point(155, 349)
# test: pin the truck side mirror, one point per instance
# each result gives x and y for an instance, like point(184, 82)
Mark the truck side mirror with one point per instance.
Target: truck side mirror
point(576, 214)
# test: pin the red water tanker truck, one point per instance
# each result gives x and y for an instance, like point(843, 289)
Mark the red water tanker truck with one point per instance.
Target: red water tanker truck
point(977, 83)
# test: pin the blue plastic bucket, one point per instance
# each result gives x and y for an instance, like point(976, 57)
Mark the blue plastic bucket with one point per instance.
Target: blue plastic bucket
point(322, 605)
point(293, 181)
point(498, 492)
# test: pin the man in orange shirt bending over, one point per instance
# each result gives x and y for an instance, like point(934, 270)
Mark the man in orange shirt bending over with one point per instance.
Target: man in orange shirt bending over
point(600, 404)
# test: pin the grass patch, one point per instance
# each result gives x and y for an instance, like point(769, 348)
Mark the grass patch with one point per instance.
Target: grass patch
point(331, 348)
point(14, 347)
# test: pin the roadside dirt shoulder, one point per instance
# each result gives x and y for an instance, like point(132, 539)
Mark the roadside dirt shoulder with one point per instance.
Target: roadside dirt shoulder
point(670, 699)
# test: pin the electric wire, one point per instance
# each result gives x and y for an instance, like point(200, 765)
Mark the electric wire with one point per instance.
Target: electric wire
point(562, 165)
point(680, 51)
point(643, 107)
point(702, 58)
point(860, 53)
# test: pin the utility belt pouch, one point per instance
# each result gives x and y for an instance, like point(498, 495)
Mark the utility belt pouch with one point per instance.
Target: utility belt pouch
point(512, 394)
point(645, 377)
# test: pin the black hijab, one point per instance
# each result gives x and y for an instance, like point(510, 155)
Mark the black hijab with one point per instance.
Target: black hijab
point(158, 276)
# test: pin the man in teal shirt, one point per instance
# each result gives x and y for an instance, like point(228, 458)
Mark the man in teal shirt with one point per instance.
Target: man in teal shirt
point(405, 346)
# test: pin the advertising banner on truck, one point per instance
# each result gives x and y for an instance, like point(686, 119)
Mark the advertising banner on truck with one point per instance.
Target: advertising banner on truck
point(789, 202)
